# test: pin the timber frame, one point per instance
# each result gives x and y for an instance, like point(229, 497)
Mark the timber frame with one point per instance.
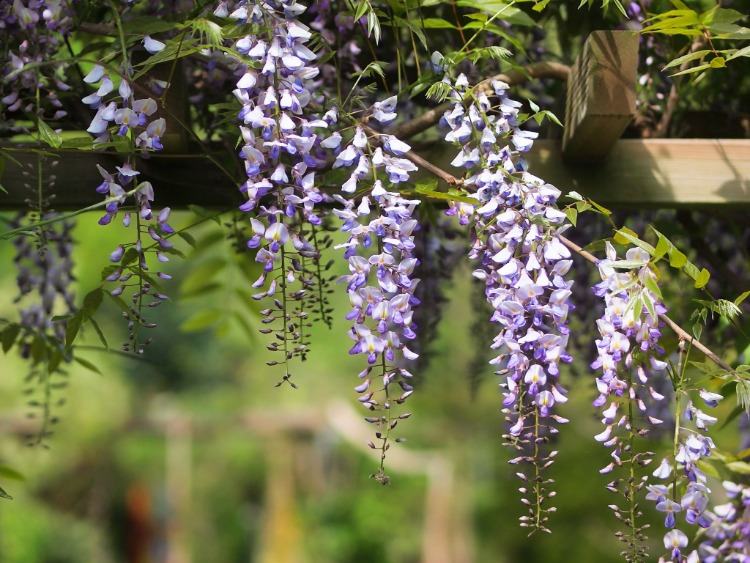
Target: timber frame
point(591, 158)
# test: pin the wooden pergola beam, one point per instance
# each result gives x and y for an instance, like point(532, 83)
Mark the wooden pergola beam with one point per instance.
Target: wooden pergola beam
point(179, 179)
point(637, 173)
point(601, 94)
point(654, 173)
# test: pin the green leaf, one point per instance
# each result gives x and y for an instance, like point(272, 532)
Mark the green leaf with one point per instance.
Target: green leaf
point(438, 92)
point(201, 320)
point(662, 247)
point(10, 473)
point(652, 286)
point(687, 58)
point(572, 214)
point(48, 135)
point(4, 494)
point(721, 307)
point(8, 336)
point(452, 194)
point(174, 49)
point(88, 365)
point(741, 298)
point(625, 236)
point(72, 328)
point(718, 62)
point(501, 10)
point(437, 23)
point(744, 52)
point(717, 15)
point(709, 468)
point(741, 467)
point(702, 278)
point(187, 237)
point(677, 259)
point(99, 332)
point(92, 301)
point(600, 208)
point(691, 70)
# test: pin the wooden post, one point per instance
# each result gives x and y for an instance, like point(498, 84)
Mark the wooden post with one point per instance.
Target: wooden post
point(601, 94)
point(178, 465)
point(282, 535)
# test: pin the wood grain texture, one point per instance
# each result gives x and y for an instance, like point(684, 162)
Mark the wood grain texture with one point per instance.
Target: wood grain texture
point(636, 173)
point(654, 172)
point(601, 94)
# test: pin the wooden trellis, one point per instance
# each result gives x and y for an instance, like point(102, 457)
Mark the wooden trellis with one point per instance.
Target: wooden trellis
point(591, 158)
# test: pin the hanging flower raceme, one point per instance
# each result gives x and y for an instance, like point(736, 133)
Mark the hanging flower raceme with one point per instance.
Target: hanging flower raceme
point(45, 270)
point(380, 251)
point(31, 34)
point(627, 358)
point(282, 147)
point(515, 225)
point(727, 538)
point(45, 276)
point(119, 113)
point(681, 489)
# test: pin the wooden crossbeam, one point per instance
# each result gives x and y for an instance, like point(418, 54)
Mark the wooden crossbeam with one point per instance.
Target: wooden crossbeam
point(179, 179)
point(601, 94)
point(637, 173)
point(655, 172)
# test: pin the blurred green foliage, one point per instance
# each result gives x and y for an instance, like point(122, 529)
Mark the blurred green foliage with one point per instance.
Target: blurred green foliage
point(110, 453)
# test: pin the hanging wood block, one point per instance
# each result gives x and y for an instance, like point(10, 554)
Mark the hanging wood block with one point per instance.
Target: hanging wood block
point(601, 94)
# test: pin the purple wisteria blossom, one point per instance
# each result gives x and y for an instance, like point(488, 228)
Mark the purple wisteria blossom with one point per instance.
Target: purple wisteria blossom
point(44, 278)
point(120, 113)
point(380, 226)
point(628, 353)
point(685, 491)
point(727, 538)
point(284, 142)
point(515, 225)
point(30, 34)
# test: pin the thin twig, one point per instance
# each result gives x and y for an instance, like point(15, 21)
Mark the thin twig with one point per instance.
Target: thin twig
point(420, 161)
point(677, 329)
point(662, 128)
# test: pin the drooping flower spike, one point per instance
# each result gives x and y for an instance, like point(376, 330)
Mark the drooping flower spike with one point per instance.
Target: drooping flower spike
point(523, 265)
point(284, 143)
point(30, 35)
point(121, 113)
point(628, 362)
point(380, 227)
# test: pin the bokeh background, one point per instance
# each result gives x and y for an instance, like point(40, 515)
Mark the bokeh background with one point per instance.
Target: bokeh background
point(193, 455)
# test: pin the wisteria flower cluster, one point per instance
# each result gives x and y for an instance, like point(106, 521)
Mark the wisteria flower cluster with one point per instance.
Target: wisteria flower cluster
point(727, 538)
point(30, 34)
point(522, 262)
point(121, 114)
point(285, 91)
point(627, 358)
point(283, 145)
point(380, 251)
point(45, 279)
point(684, 489)
point(45, 270)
